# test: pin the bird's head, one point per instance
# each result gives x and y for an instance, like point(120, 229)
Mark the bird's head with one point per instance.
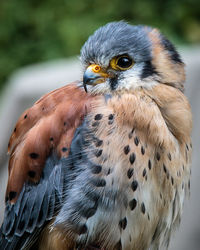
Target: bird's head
point(121, 57)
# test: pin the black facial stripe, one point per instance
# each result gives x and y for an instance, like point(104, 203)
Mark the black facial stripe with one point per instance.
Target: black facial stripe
point(148, 70)
point(113, 83)
point(171, 50)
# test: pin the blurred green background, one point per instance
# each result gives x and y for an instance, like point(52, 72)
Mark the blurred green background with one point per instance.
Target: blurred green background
point(33, 30)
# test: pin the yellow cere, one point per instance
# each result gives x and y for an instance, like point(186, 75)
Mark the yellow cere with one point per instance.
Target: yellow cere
point(98, 70)
point(95, 68)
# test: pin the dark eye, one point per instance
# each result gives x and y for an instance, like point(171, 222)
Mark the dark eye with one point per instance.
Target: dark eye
point(124, 62)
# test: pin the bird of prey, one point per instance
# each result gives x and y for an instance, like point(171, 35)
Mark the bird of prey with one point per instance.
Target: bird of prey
point(104, 163)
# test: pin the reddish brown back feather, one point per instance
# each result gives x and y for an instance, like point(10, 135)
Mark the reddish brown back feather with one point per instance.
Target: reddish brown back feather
point(48, 125)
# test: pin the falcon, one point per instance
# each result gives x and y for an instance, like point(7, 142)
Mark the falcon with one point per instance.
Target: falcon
point(104, 163)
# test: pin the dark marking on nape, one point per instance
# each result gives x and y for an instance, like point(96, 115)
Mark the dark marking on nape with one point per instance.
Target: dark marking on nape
point(143, 209)
point(142, 150)
point(111, 117)
point(123, 223)
point(31, 173)
point(136, 140)
point(98, 153)
point(189, 184)
point(174, 55)
point(86, 211)
point(130, 135)
point(126, 149)
point(98, 143)
point(99, 182)
point(64, 149)
point(164, 168)
point(148, 70)
point(132, 158)
point(157, 156)
point(96, 169)
point(34, 155)
point(134, 185)
point(130, 172)
point(98, 117)
point(12, 195)
point(149, 164)
point(169, 156)
point(144, 172)
point(113, 83)
point(109, 171)
point(172, 180)
point(95, 124)
point(186, 156)
point(133, 204)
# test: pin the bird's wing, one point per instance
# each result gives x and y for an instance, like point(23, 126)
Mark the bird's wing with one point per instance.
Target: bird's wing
point(41, 138)
point(128, 150)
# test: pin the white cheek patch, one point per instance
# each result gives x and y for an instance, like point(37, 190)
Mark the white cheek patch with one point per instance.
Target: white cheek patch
point(131, 79)
point(127, 80)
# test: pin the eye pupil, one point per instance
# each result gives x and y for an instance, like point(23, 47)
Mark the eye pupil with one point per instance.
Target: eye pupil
point(124, 62)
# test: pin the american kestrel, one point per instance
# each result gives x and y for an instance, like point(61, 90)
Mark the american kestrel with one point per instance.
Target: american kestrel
point(104, 163)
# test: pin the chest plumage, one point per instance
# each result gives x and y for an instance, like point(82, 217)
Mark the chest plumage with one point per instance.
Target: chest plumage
point(132, 168)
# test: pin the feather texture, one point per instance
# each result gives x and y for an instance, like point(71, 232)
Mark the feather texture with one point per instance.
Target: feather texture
point(89, 197)
point(46, 127)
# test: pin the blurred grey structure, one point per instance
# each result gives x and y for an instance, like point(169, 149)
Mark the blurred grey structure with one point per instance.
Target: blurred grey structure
point(28, 84)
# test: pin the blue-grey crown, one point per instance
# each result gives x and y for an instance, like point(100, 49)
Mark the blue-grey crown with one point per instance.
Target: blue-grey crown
point(117, 38)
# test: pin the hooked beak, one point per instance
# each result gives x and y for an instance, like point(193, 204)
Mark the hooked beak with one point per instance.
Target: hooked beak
point(94, 75)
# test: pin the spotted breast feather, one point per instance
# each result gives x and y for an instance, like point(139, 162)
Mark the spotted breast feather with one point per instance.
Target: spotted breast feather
point(98, 172)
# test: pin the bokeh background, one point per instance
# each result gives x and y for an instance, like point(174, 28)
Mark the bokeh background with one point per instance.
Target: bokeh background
point(39, 47)
point(34, 30)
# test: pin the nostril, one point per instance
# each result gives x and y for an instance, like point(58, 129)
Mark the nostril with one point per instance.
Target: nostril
point(96, 68)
